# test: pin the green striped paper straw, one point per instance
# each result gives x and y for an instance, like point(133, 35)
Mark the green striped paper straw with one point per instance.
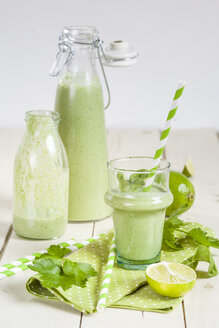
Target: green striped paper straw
point(10, 269)
point(107, 277)
point(165, 133)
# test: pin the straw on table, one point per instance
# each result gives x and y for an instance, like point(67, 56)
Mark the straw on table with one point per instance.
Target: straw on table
point(165, 133)
point(107, 277)
point(21, 264)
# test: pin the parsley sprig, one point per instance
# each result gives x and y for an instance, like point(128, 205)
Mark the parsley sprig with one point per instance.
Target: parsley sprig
point(57, 271)
point(176, 231)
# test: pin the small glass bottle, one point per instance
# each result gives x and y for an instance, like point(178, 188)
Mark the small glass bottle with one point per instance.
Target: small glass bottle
point(40, 196)
point(79, 101)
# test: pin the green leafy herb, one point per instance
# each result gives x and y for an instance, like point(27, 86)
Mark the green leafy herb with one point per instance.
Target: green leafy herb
point(136, 181)
point(170, 237)
point(57, 251)
point(176, 231)
point(81, 272)
point(201, 237)
point(45, 266)
point(56, 271)
point(56, 260)
point(202, 254)
point(123, 183)
point(179, 211)
point(78, 268)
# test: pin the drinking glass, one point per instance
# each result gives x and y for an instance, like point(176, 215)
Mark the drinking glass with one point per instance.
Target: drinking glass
point(138, 211)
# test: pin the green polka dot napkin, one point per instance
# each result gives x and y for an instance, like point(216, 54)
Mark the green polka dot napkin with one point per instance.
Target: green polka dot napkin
point(128, 289)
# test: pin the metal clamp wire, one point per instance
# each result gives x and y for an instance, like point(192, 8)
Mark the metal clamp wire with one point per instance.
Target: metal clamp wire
point(98, 44)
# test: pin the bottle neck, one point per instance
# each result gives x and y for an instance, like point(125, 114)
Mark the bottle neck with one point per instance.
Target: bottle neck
point(83, 61)
point(41, 121)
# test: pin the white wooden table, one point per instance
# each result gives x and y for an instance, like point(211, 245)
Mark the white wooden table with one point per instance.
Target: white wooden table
point(19, 309)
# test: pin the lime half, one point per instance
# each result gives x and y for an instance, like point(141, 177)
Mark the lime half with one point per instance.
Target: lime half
point(170, 279)
point(188, 169)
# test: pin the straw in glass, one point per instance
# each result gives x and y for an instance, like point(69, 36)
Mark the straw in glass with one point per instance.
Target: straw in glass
point(165, 133)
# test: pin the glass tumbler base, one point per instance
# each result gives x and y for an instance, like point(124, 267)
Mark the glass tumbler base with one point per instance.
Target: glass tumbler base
point(136, 265)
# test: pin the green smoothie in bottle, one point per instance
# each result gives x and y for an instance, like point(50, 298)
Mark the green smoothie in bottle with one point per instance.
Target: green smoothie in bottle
point(79, 101)
point(40, 193)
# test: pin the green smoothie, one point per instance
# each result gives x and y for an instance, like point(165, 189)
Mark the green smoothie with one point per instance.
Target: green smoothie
point(138, 221)
point(80, 104)
point(43, 228)
point(40, 201)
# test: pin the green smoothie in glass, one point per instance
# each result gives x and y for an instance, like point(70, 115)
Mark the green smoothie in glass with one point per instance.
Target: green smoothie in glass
point(138, 215)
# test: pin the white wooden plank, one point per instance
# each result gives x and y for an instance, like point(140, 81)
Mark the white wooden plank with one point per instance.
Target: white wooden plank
point(129, 319)
point(25, 307)
point(114, 318)
point(201, 305)
point(9, 141)
point(22, 310)
point(125, 143)
point(202, 147)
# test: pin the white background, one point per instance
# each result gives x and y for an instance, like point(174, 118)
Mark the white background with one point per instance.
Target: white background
point(177, 40)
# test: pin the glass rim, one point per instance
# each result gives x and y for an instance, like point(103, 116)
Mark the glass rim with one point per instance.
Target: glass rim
point(43, 113)
point(111, 163)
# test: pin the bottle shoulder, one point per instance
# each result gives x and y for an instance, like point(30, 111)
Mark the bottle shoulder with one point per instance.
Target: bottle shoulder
point(38, 148)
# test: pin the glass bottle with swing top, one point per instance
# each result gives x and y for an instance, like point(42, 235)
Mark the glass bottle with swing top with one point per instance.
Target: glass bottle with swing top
point(79, 100)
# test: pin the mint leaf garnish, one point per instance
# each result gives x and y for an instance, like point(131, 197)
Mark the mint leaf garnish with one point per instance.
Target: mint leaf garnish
point(56, 271)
